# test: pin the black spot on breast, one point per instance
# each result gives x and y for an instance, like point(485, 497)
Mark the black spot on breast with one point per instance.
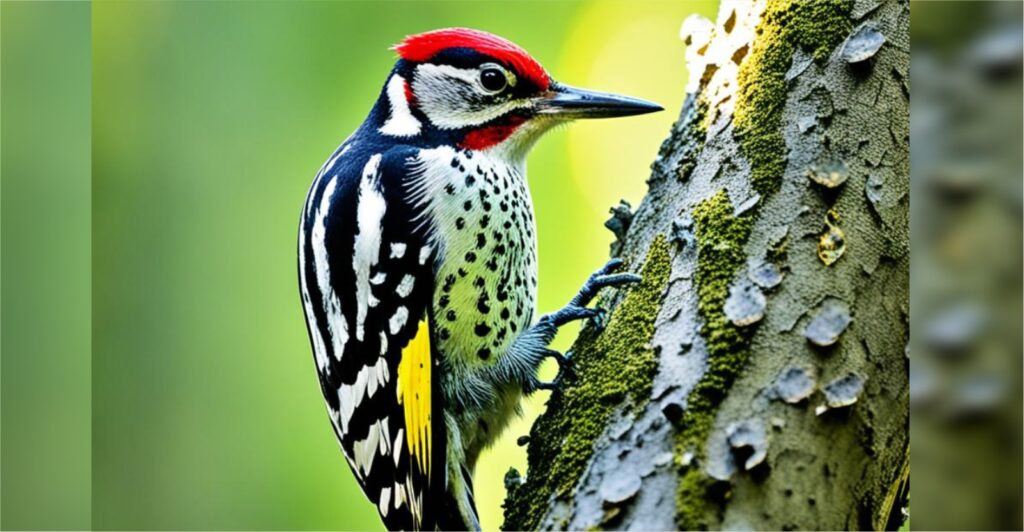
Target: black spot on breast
point(444, 334)
point(484, 220)
point(449, 280)
point(507, 224)
point(481, 241)
point(455, 162)
point(493, 264)
point(487, 206)
point(499, 249)
point(481, 304)
point(443, 301)
point(504, 206)
point(450, 189)
point(479, 282)
point(460, 223)
point(482, 329)
point(497, 236)
point(462, 272)
point(505, 314)
point(467, 205)
point(502, 295)
point(470, 180)
point(470, 256)
point(451, 315)
point(513, 325)
point(484, 353)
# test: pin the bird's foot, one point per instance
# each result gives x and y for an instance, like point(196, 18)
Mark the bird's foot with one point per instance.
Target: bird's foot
point(564, 365)
point(577, 307)
point(576, 310)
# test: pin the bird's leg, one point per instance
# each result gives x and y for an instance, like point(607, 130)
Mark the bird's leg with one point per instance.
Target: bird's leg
point(532, 346)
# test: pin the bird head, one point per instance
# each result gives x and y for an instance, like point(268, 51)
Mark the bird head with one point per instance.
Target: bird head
point(480, 91)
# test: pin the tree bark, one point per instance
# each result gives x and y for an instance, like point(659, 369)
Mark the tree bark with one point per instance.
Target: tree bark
point(757, 377)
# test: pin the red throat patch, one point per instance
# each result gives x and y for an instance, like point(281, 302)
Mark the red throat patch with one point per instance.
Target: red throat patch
point(487, 136)
point(424, 46)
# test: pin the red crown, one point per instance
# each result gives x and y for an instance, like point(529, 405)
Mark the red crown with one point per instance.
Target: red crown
point(424, 46)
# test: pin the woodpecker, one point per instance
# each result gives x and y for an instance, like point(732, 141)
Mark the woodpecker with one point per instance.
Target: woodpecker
point(418, 269)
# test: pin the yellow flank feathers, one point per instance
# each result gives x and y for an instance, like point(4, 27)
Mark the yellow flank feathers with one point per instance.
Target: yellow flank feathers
point(414, 394)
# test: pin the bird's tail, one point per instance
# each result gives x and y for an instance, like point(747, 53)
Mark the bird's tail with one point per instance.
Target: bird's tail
point(459, 511)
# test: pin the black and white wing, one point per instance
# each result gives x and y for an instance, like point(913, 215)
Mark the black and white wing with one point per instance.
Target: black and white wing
point(366, 274)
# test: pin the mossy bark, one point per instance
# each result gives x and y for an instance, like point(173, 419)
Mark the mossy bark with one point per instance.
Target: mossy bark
point(676, 415)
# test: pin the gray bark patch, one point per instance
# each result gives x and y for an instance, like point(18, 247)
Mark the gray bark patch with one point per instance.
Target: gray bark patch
point(830, 320)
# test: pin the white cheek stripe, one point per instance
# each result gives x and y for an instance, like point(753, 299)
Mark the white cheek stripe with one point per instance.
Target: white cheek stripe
point(401, 123)
point(441, 95)
point(369, 217)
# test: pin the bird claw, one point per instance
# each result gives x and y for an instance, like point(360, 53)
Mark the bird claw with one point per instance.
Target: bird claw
point(600, 320)
point(569, 313)
point(564, 364)
point(603, 278)
point(577, 310)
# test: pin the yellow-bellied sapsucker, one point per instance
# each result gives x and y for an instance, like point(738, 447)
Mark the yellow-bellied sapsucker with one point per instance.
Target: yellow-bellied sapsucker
point(418, 269)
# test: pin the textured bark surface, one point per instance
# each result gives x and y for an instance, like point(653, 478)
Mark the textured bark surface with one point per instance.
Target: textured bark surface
point(746, 383)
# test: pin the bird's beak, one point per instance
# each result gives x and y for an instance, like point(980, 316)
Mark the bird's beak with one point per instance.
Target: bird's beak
point(568, 102)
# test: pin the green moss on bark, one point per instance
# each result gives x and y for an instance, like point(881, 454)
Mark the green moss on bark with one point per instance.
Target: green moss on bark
point(695, 127)
point(816, 26)
point(720, 240)
point(608, 368)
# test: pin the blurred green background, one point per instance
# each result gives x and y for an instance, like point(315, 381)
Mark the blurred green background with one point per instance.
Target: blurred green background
point(44, 161)
point(209, 120)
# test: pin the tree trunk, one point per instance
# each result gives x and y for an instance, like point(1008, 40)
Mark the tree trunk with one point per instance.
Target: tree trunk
point(757, 377)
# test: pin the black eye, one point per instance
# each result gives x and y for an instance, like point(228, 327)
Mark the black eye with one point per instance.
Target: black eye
point(493, 79)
